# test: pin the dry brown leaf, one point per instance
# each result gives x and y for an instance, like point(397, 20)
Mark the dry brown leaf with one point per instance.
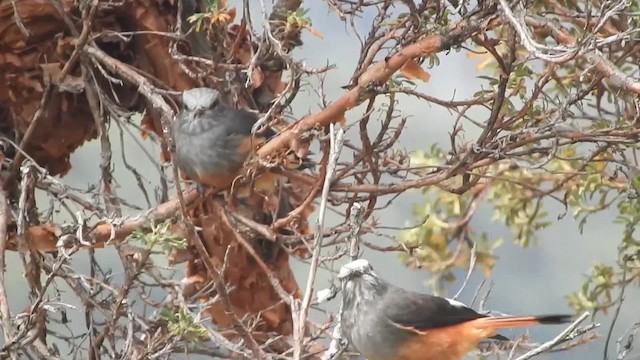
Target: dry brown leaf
point(42, 238)
point(257, 78)
point(237, 41)
point(303, 150)
point(146, 123)
point(232, 14)
point(298, 146)
point(191, 285)
point(244, 54)
point(278, 87)
point(69, 123)
point(412, 70)
point(178, 256)
point(70, 83)
point(51, 70)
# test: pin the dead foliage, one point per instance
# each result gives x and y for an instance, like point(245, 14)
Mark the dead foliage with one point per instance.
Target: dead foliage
point(51, 59)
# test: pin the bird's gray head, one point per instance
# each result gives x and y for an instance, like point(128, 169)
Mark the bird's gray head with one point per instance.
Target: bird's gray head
point(199, 99)
point(355, 269)
point(358, 278)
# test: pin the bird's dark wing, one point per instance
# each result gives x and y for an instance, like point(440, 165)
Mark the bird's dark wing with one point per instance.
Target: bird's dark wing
point(239, 121)
point(423, 312)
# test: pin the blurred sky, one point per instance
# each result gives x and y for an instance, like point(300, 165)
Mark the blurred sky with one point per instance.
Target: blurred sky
point(527, 281)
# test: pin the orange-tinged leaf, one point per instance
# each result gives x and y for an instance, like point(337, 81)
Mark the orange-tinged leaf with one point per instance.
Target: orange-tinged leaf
point(164, 157)
point(411, 70)
point(42, 238)
point(146, 123)
point(314, 32)
point(232, 13)
point(474, 54)
point(223, 16)
point(484, 61)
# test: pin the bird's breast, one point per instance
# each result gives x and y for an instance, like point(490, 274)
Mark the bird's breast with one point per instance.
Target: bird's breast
point(205, 150)
point(372, 335)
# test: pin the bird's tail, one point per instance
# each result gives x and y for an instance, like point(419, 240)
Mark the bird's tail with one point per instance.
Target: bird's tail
point(498, 322)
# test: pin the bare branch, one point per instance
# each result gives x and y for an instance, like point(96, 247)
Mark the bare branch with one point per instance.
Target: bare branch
point(335, 147)
point(564, 335)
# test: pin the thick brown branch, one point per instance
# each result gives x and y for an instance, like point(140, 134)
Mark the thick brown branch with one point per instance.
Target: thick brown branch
point(379, 73)
point(44, 238)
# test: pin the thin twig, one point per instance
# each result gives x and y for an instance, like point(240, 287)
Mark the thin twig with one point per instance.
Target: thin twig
point(623, 349)
point(33, 124)
point(617, 311)
point(336, 142)
point(18, 19)
point(472, 265)
point(337, 345)
point(355, 223)
point(557, 340)
point(5, 314)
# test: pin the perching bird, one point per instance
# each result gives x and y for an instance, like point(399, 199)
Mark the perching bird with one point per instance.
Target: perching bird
point(384, 322)
point(213, 140)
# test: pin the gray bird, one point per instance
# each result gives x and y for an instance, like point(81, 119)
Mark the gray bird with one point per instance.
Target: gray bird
point(384, 322)
point(213, 140)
